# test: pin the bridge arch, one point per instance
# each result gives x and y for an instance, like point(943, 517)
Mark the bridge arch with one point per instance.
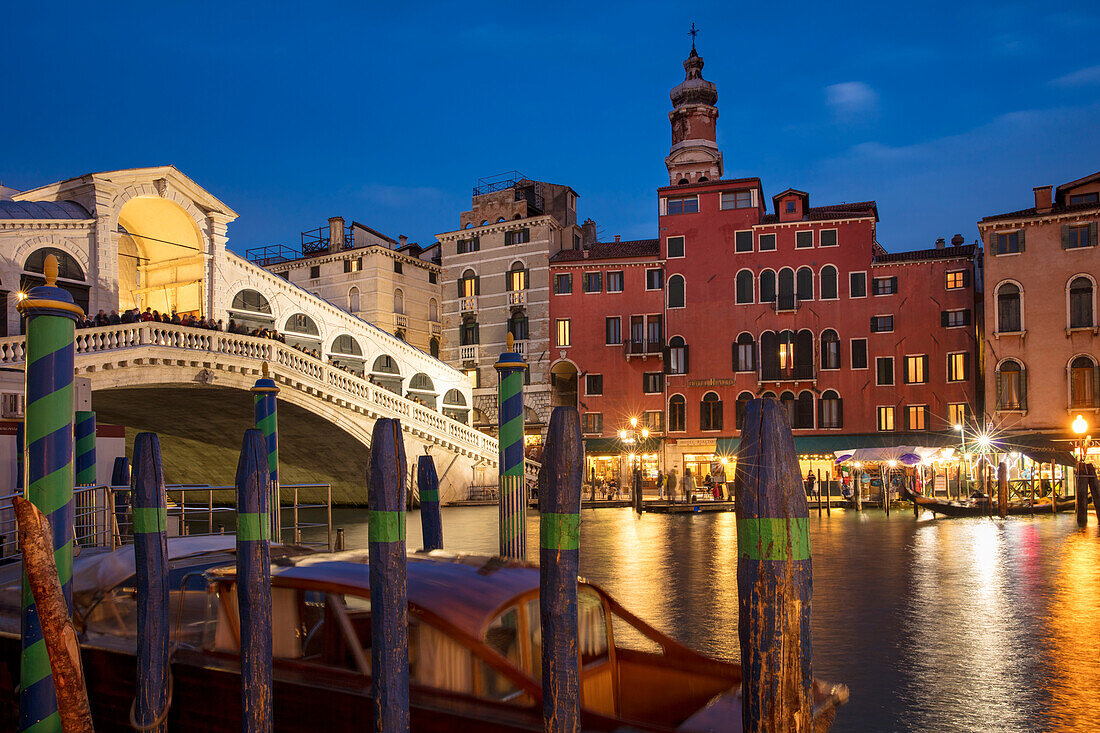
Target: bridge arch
point(302, 331)
point(71, 277)
point(161, 255)
point(422, 390)
point(386, 373)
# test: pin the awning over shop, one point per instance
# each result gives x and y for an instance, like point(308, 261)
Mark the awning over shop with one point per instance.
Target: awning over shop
point(824, 445)
point(1039, 447)
point(614, 446)
point(907, 455)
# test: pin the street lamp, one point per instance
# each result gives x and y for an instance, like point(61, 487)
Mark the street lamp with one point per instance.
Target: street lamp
point(1081, 448)
point(630, 437)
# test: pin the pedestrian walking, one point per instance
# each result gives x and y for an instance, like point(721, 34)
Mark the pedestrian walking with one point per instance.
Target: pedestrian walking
point(660, 485)
point(672, 485)
point(810, 479)
point(689, 486)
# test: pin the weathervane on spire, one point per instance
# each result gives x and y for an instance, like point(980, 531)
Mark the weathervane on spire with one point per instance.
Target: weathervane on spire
point(692, 33)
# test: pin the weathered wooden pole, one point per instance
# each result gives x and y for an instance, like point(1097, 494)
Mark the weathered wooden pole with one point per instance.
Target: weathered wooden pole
point(265, 393)
point(59, 640)
point(559, 565)
point(1031, 493)
point(431, 522)
point(120, 472)
point(636, 490)
point(774, 575)
point(828, 496)
point(859, 490)
point(51, 322)
point(1002, 489)
point(513, 489)
point(151, 571)
point(388, 578)
point(254, 583)
point(1094, 488)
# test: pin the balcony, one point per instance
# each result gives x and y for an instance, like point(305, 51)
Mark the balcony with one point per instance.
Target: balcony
point(467, 353)
point(798, 373)
point(520, 347)
point(642, 349)
point(786, 304)
point(400, 320)
point(468, 304)
point(517, 297)
point(436, 328)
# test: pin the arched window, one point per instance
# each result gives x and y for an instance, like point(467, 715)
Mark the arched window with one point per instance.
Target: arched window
point(1011, 386)
point(1081, 303)
point(830, 413)
point(739, 408)
point(345, 344)
point(70, 278)
point(421, 382)
point(744, 353)
point(676, 297)
point(1009, 318)
point(252, 301)
point(804, 414)
point(454, 398)
point(433, 310)
point(518, 277)
point(789, 406)
point(710, 412)
point(828, 283)
point(1084, 383)
point(301, 323)
point(769, 355)
point(744, 285)
point(830, 349)
point(433, 347)
point(677, 414)
point(67, 266)
point(786, 282)
point(805, 283)
point(676, 360)
point(767, 286)
point(353, 300)
point(468, 284)
point(804, 355)
point(470, 333)
point(385, 364)
point(398, 301)
point(517, 325)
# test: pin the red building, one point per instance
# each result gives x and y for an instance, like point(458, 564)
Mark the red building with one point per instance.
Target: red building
point(730, 302)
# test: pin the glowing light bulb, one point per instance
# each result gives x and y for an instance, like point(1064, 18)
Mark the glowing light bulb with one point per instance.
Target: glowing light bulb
point(1079, 425)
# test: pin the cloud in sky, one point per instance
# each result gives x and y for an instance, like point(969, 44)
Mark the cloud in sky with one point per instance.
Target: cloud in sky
point(851, 99)
point(1082, 77)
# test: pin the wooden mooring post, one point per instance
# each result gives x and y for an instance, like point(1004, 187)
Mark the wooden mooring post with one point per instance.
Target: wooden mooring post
point(1081, 495)
point(828, 495)
point(774, 575)
point(559, 564)
point(254, 583)
point(431, 522)
point(1002, 489)
point(388, 578)
point(151, 572)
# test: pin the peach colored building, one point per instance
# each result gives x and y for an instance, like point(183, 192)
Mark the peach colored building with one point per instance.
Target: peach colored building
point(1041, 347)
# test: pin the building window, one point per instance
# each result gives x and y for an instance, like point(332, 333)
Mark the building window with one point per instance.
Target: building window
point(737, 200)
point(882, 324)
point(314, 272)
point(1008, 243)
point(518, 278)
point(859, 353)
point(593, 384)
point(354, 265)
point(957, 279)
point(1084, 198)
point(742, 241)
point(676, 297)
point(1080, 303)
point(804, 411)
point(676, 362)
point(739, 408)
point(767, 242)
point(563, 284)
point(613, 330)
point(615, 281)
point(886, 417)
point(1011, 386)
point(744, 353)
point(958, 367)
point(466, 246)
point(654, 279)
point(1078, 236)
point(637, 333)
point(1008, 308)
point(787, 402)
point(804, 283)
point(884, 370)
point(677, 414)
point(955, 319)
point(653, 421)
point(710, 412)
point(563, 332)
point(884, 286)
point(469, 335)
point(517, 326)
point(468, 285)
point(956, 414)
point(675, 247)
point(917, 417)
point(830, 349)
point(398, 302)
point(828, 283)
point(790, 207)
point(682, 205)
point(653, 382)
point(517, 236)
point(827, 238)
point(829, 410)
point(592, 282)
point(803, 240)
point(353, 300)
point(655, 332)
point(916, 369)
point(767, 286)
point(1084, 383)
point(743, 286)
point(397, 266)
point(592, 423)
point(857, 285)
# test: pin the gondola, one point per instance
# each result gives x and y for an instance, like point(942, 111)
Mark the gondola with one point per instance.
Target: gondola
point(474, 647)
point(980, 506)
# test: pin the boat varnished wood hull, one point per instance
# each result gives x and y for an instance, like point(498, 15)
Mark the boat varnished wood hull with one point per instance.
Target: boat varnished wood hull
point(959, 509)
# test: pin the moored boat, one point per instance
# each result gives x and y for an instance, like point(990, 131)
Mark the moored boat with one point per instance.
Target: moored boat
point(980, 506)
point(474, 647)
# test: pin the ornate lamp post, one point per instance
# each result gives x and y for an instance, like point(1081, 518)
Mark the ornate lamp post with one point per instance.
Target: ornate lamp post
point(963, 459)
point(629, 438)
point(1081, 449)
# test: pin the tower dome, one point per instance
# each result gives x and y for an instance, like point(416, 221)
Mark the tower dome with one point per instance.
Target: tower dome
point(694, 156)
point(694, 89)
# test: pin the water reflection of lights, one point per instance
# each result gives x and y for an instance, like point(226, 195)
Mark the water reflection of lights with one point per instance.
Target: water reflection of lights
point(1074, 646)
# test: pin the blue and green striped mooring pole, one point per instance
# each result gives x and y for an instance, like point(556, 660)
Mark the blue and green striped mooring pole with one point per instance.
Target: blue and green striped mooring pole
point(513, 491)
point(267, 422)
point(774, 574)
point(389, 653)
point(559, 564)
point(51, 322)
point(430, 520)
point(84, 438)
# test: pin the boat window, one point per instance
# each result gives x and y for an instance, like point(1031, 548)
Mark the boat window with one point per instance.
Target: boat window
point(502, 636)
point(115, 612)
point(591, 629)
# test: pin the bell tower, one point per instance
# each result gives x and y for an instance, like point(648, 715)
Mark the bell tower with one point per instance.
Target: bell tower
point(694, 156)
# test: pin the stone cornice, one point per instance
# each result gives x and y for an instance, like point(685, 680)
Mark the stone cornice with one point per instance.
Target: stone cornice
point(500, 226)
point(351, 254)
point(47, 223)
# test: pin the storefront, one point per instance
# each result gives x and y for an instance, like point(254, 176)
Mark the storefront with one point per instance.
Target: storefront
point(607, 460)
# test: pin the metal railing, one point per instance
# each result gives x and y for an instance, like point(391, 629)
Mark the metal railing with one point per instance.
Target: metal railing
point(786, 303)
point(635, 347)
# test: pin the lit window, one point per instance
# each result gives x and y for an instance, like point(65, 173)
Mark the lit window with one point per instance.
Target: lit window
point(917, 417)
point(956, 280)
point(956, 413)
point(916, 369)
point(886, 417)
point(563, 332)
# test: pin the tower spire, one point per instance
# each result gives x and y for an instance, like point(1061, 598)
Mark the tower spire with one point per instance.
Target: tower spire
point(693, 33)
point(694, 156)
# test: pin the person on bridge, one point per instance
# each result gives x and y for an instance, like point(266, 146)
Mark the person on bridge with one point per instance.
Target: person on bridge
point(114, 318)
point(127, 316)
point(147, 315)
point(176, 320)
point(101, 318)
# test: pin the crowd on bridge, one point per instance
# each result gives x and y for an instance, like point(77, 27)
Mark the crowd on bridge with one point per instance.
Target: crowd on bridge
point(134, 315)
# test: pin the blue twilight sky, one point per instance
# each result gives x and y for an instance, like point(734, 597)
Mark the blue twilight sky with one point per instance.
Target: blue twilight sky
point(388, 114)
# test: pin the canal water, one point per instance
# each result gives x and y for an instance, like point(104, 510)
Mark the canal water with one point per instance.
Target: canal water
point(934, 624)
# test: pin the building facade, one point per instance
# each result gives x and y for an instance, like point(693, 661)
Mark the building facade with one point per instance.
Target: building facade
point(732, 302)
point(1040, 343)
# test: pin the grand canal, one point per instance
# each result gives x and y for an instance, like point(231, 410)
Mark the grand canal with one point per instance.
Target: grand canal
point(935, 625)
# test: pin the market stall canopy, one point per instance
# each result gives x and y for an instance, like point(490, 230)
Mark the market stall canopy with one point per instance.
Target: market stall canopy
point(909, 455)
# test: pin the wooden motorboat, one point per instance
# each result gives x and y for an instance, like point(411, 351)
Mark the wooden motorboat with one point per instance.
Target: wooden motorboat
point(474, 647)
point(980, 506)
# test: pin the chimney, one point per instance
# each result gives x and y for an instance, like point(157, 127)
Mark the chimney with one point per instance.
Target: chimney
point(402, 240)
point(588, 232)
point(939, 243)
point(1043, 199)
point(958, 240)
point(335, 233)
point(616, 239)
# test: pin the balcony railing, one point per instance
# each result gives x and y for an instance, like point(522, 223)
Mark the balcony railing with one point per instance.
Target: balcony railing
point(467, 353)
point(798, 373)
point(642, 349)
point(400, 320)
point(468, 304)
point(436, 328)
point(517, 297)
point(520, 347)
point(786, 303)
